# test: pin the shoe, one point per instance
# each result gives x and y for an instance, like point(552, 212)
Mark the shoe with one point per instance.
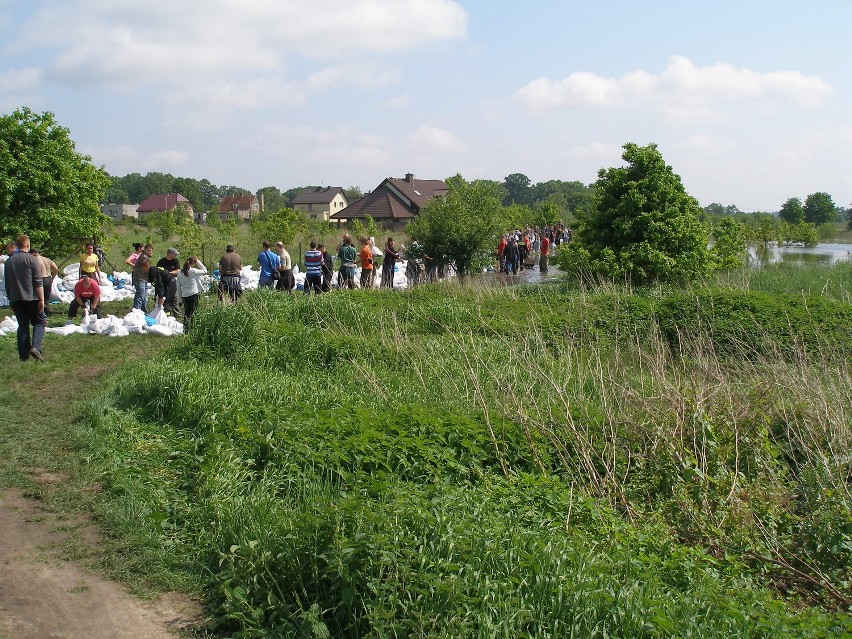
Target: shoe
point(37, 354)
point(69, 322)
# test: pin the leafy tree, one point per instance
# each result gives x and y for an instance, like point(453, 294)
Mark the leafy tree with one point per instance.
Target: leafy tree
point(518, 190)
point(546, 214)
point(792, 211)
point(281, 225)
point(461, 228)
point(819, 208)
point(643, 226)
point(273, 199)
point(163, 222)
point(47, 189)
point(353, 193)
point(730, 247)
point(517, 215)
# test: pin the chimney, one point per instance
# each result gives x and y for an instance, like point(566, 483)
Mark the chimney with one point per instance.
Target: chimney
point(261, 201)
point(409, 177)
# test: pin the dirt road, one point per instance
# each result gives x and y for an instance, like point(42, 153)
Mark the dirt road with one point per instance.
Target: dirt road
point(45, 597)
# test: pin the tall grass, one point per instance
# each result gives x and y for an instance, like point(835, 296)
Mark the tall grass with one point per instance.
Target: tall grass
point(499, 462)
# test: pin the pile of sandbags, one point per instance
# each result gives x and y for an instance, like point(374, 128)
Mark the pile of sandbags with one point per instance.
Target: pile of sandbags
point(114, 288)
point(155, 323)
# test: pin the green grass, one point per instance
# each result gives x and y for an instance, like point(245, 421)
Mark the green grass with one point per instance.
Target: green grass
point(452, 461)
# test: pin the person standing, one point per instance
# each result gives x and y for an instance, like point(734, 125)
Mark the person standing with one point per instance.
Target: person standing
point(230, 266)
point(86, 291)
point(25, 291)
point(49, 271)
point(327, 268)
point(269, 264)
point(512, 257)
point(190, 286)
point(89, 263)
point(313, 270)
point(366, 257)
point(347, 255)
point(286, 280)
point(391, 256)
point(544, 252)
point(140, 278)
point(137, 251)
point(170, 267)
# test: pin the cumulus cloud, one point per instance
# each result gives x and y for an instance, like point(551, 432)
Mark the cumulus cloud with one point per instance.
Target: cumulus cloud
point(338, 145)
point(430, 138)
point(681, 90)
point(150, 42)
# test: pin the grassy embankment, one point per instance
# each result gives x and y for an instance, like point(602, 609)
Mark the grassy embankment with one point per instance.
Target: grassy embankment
point(501, 462)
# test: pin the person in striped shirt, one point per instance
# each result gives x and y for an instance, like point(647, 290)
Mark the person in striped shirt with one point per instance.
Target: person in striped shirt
point(313, 270)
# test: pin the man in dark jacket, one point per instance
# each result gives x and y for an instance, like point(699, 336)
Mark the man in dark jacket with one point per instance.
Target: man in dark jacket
point(25, 291)
point(171, 266)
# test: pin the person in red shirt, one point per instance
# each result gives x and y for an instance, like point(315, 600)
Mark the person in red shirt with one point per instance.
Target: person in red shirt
point(86, 290)
point(544, 251)
point(500, 248)
point(366, 257)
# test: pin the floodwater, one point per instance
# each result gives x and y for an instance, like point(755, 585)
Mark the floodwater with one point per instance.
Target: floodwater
point(825, 254)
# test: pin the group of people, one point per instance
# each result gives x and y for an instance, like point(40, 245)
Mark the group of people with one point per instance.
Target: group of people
point(276, 267)
point(516, 249)
point(175, 285)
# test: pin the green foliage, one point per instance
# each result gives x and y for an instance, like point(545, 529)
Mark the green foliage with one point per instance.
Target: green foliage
point(281, 225)
point(792, 211)
point(165, 223)
point(644, 226)
point(729, 249)
point(546, 214)
point(461, 228)
point(819, 208)
point(47, 189)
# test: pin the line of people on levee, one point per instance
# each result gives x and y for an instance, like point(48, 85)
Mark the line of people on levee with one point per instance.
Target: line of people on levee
point(521, 249)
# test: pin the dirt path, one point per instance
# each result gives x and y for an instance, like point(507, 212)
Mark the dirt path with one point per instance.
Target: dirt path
point(45, 597)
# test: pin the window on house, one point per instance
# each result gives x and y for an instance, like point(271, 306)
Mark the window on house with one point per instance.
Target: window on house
point(310, 207)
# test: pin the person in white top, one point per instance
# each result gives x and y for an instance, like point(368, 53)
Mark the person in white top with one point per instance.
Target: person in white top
point(190, 286)
point(286, 281)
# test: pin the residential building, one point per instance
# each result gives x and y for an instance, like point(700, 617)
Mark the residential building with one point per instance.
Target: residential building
point(164, 202)
point(119, 212)
point(394, 202)
point(320, 202)
point(242, 207)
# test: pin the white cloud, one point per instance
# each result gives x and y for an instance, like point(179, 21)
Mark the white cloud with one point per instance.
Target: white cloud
point(338, 146)
point(19, 87)
point(703, 142)
point(350, 75)
point(682, 90)
point(597, 150)
point(136, 43)
point(430, 138)
point(119, 160)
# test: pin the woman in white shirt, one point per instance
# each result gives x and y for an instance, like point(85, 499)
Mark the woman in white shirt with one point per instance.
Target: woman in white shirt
point(190, 286)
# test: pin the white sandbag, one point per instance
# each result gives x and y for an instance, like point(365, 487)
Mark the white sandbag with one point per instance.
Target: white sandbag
point(70, 329)
point(156, 329)
point(136, 317)
point(117, 330)
point(9, 323)
point(136, 330)
point(158, 314)
point(72, 270)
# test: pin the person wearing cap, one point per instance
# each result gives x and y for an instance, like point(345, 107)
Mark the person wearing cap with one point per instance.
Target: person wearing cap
point(48, 272)
point(89, 262)
point(170, 267)
point(230, 266)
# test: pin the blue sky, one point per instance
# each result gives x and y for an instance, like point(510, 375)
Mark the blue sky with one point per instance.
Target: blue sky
point(749, 101)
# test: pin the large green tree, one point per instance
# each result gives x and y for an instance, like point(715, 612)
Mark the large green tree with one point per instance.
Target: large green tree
point(819, 208)
point(643, 225)
point(47, 189)
point(792, 211)
point(460, 229)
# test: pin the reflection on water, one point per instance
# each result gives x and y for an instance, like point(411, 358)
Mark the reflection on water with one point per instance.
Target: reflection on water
point(826, 254)
point(528, 275)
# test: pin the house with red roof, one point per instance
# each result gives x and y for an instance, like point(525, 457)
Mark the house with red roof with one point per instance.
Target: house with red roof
point(394, 202)
point(320, 202)
point(164, 202)
point(242, 207)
